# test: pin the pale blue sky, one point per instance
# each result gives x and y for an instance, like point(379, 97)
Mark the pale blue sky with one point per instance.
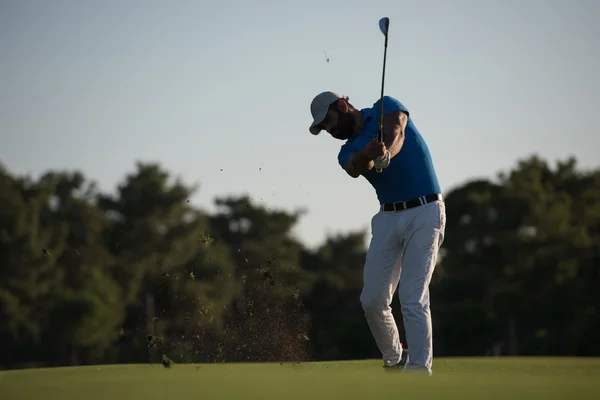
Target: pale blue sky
point(201, 86)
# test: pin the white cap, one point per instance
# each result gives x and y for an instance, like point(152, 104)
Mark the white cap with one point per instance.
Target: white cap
point(319, 107)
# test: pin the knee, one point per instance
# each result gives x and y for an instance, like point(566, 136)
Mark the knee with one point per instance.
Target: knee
point(373, 304)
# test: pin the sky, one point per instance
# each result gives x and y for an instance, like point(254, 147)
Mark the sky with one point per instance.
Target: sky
point(219, 93)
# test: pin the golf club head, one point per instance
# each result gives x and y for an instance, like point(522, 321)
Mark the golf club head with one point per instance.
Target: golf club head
point(384, 25)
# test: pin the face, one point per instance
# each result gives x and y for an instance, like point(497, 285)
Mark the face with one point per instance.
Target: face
point(339, 122)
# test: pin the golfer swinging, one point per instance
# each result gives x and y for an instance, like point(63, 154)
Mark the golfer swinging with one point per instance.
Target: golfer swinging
point(409, 228)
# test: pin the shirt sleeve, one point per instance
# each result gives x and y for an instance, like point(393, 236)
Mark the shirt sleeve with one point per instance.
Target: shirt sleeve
point(344, 155)
point(390, 104)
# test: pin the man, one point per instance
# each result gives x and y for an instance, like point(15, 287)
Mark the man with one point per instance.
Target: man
point(409, 228)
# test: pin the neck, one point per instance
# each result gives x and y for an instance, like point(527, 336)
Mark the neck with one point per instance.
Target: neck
point(358, 118)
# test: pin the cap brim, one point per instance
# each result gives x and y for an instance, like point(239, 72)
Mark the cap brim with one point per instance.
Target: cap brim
point(314, 127)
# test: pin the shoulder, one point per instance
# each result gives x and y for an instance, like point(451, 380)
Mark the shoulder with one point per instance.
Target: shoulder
point(390, 104)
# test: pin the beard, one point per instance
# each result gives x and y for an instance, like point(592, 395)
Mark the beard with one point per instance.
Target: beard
point(344, 128)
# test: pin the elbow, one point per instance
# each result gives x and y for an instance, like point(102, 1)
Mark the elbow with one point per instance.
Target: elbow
point(351, 170)
point(353, 174)
point(357, 172)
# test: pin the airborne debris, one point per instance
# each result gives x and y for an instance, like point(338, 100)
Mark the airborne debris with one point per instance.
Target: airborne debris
point(206, 239)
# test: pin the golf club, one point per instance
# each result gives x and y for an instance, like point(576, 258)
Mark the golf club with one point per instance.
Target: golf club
point(384, 25)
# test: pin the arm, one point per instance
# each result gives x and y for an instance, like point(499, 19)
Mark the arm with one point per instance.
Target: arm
point(395, 118)
point(394, 125)
point(358, 163)
point(354, 162)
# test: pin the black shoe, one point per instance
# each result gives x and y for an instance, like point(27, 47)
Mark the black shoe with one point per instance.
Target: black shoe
point(401, 365)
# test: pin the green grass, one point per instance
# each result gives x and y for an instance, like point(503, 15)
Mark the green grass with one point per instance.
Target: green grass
point(464, 378)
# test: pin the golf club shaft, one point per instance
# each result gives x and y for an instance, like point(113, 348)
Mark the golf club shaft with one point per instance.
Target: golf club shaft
point(380, 132)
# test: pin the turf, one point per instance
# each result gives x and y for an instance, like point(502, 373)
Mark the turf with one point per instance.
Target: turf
point(476, 378)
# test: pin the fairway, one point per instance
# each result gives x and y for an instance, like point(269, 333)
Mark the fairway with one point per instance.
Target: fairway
point(477, 378)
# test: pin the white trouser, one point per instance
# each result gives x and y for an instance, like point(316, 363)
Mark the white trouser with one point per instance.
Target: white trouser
point(402, 254)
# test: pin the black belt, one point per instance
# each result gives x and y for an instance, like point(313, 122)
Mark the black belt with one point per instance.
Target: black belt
point(405, 205)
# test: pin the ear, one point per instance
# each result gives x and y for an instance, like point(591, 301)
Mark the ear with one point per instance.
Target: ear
point(343, 106)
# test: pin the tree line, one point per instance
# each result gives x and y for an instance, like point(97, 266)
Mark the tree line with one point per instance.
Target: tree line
point(88, 277)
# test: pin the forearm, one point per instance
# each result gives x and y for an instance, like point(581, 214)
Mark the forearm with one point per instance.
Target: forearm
point(394, 125)
point(394, 141)
point(393, 144)
point(359, 164)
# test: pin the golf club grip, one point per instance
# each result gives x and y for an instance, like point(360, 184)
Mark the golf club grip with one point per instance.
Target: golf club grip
point(380, 139)
point(380, 132)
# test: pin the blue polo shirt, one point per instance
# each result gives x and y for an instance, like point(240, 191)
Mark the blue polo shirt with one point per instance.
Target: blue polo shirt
point(411, 173)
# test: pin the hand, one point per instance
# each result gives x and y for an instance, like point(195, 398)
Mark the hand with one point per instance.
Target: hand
point(383, 162)
point(374, 149)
